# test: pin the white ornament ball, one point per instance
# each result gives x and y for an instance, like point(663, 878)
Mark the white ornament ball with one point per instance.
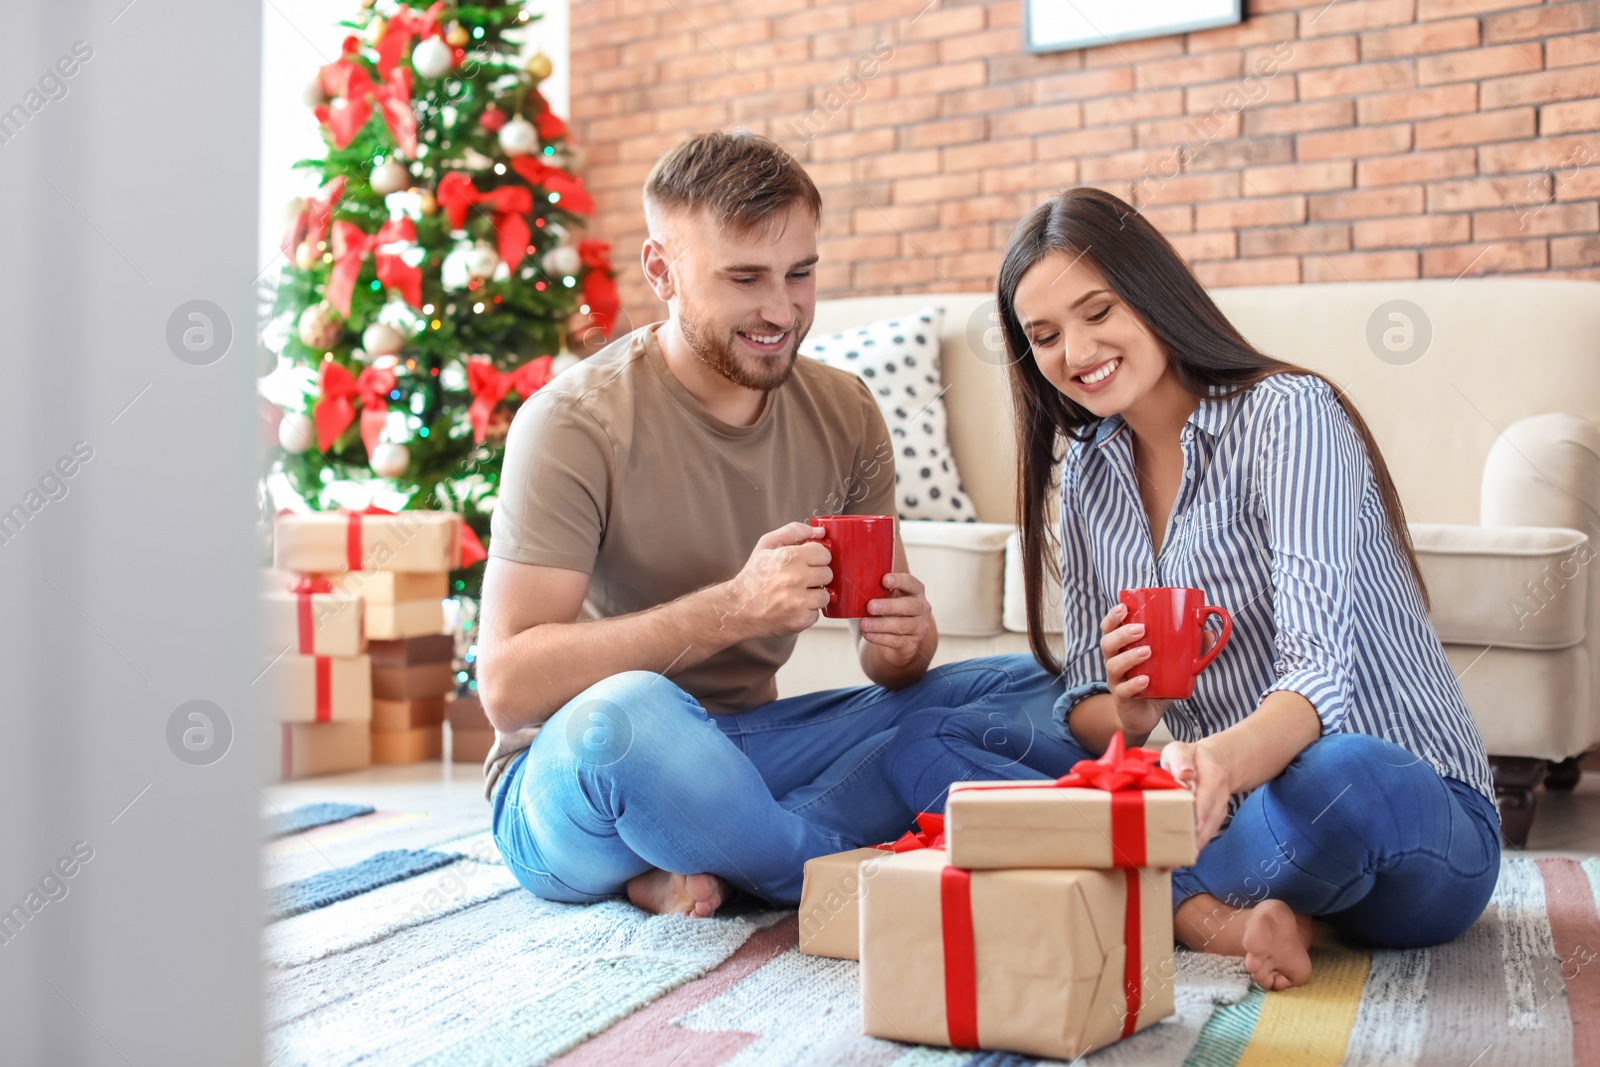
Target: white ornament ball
point(390, 460)
point(562, 260)
point(453, 273)
point(563, 361)
point(390, 176)
point(381, 339)
point(296, 433)
point(482, 261)
point(519, 138)
point(432, 58)
point(320, 326)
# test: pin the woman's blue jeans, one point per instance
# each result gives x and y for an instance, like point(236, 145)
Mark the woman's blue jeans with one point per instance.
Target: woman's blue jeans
point(1356, 831)
point(633, 774)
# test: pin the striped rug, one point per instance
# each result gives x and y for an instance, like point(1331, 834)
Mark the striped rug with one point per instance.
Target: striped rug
point(444, 959)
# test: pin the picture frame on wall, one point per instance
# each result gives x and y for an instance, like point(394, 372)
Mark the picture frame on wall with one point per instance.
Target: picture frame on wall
point(1056, 26)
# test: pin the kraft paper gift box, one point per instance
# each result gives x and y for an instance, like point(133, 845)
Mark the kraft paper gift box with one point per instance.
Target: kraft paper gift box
point(407, 746)
point(407, 714)
point(406, 618)
point(470, 746)
point(320, 542)
point(308, 749)
point(308, 616)
point(322, 689)
point(388, 587)
point(405, 651)
point(1031, 961)
point(1122, 810)
point(409, 683)
point(830, 893)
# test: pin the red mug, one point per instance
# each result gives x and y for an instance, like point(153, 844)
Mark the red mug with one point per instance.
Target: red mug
point(863, 552)
point(1173, 619)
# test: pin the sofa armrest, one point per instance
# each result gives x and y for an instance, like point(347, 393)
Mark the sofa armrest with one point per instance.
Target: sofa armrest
point(962, 564)
point(1509, 586)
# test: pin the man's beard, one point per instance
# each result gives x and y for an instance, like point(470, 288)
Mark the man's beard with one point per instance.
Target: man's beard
point(762, 373)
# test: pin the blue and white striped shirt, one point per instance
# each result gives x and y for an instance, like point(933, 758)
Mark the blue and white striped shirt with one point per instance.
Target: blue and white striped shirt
point(1279, 520)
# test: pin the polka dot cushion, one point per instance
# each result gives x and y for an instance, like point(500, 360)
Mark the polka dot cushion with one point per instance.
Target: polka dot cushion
point(899, 361)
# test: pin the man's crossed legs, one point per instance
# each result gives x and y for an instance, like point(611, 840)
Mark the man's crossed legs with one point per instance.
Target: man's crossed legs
point(632, 775)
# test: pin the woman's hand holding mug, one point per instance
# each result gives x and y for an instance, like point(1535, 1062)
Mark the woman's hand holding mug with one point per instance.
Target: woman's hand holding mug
point(1126, 651)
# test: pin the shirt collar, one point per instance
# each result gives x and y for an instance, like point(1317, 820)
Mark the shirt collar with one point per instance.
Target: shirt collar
point(1212, 415)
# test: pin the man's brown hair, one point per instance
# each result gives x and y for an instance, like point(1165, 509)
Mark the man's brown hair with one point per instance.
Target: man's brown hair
point(743, 179)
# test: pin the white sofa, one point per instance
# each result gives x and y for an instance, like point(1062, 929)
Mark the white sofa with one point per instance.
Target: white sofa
point(1492, 438)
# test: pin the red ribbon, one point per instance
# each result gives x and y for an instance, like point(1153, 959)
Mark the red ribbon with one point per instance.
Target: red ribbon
point(334, 412)
point(324, 711)
point(489, 386)
point(1132, 940)
point(346, 79)
point(304, 622)
point(1125, 775)
point(960, 957)
point(549, 126)
point(929, 834)
point(599, 286)
point(393, 97)
point(351, 246)
point(509, 204)
point(310, 223)
point(399, 31)
point(541, 175)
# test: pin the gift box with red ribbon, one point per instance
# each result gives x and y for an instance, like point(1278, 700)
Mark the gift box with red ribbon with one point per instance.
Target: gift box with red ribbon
point(321, 689)
point(831, 891)
point(373, 540)
point(1122, 810)
point(309, 749)
point(1051, 963)
point(308, 616)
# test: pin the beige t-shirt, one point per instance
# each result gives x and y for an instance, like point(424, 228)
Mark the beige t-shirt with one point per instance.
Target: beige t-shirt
point(615, 470)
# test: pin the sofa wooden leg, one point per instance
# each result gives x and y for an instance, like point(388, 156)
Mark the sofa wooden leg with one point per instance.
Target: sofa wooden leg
point(1515, 779)
point(1562, 776)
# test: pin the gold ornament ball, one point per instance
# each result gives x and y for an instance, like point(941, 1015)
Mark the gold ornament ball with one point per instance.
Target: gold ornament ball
point(456, 36)
point(427, 203)
point(540, 67)
point(306, 255)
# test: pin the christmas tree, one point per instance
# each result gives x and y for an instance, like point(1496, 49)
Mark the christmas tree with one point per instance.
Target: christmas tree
point(433, 277)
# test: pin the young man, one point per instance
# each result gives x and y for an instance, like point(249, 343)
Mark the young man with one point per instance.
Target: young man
point(651, 567)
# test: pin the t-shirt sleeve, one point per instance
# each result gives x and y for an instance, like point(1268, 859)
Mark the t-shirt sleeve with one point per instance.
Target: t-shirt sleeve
point(871, 480)
point(555, 485)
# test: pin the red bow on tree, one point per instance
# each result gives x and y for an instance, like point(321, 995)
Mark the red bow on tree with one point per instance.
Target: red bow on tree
point(489, 386)
point(509, 203)
point(546, 121)
point(310, 223)
point(388, 245)
point(599, 287)
point(334, 412)
point(574, 197)
point(1120, 770)
point(347, 80)
point(393, 98)
point(928, 834)
point(399, 31)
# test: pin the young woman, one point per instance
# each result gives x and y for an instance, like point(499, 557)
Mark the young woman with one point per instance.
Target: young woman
point(1336, 770)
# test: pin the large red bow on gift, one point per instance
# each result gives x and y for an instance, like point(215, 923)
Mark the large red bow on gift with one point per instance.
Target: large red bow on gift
point(509, 204)
point(1120, 769)
point(350, 247)
point(928, 834)
point(399, 31)
point(310, 223)
point(574, 197)
point(334, 412)
point(489, 386)
point(599, 287)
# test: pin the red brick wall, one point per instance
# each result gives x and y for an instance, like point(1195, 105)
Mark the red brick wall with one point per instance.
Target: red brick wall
point(1354, 140)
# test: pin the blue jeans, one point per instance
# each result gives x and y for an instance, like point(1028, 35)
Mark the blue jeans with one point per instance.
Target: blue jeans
point(1356, 830)
point(633, 774)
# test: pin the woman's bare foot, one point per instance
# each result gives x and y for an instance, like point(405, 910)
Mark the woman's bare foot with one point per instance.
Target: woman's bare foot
point(1277, 946)
point(665, 893)
point(1274, 941)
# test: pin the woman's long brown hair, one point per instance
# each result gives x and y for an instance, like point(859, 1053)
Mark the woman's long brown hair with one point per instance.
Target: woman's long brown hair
point(1205, 351)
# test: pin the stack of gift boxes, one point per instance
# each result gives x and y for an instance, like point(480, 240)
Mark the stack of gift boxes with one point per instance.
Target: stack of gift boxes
point(370, 670)
point(1032, 917)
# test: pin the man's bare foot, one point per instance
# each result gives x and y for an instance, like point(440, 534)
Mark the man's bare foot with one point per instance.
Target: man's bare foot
point(665, 893)
point(1277, 945)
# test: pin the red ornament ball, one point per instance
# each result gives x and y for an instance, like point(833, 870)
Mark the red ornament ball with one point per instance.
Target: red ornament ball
point(492, 119)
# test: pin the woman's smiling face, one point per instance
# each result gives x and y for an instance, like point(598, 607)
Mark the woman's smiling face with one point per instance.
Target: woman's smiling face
point(1085, 338)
